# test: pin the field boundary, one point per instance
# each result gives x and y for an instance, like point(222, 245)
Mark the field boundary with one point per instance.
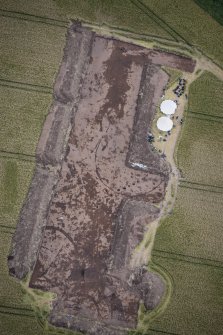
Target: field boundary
point(7, 227)
point(113, 29)
point(6, 230)
point(16, 311)
point(162, 332)
point(200, 189)
point(17, 155)
point(203, 116)
point(187, 258)
point(33, 18)
point(203, 187)
point(26, 86)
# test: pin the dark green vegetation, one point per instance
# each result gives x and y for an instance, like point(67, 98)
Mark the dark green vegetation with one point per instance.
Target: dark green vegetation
point(188, 243)
point(213, 7)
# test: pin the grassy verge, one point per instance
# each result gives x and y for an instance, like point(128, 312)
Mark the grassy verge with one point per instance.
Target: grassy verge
point(11, 293)
point(146, 318)
point(174, 75)
point(15, 177)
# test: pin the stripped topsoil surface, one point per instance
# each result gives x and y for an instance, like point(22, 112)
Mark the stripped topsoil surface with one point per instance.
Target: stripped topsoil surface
point(107, 180)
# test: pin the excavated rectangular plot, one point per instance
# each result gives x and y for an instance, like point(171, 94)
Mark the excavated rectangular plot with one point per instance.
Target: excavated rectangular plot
point(99, 201)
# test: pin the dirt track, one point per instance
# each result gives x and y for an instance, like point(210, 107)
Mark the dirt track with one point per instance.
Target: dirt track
point(109, 180)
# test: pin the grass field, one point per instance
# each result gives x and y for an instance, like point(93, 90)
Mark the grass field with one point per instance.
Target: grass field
point(30, 52)
point(194, 25)
point(171, 19)
point(206, 86)
point(196, 305)
point(15, 177)
point(28, 109)
point(194, 226)
point(200, 155)
point(115, 13)
point(18, 325)
point(11, 294)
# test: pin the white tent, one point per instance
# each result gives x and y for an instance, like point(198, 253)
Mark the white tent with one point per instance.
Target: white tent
point(164, 123)
point(168, 107)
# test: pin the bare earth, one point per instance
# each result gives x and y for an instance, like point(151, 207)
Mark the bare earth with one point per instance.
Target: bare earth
point(109, 181)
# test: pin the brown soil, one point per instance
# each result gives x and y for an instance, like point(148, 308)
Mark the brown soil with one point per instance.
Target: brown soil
point(109, 181)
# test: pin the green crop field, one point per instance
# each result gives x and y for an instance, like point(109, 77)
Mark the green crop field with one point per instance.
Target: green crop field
point(196, 305)
point(11, 294)
point(18, 325)
point(15, 177)
point(29, 110)
point(170, 19)
point(44, 8)
point(200, 155)
point(30, 52)
point(194, 226)
point(114, 13)
point(206, 86)
point(192, 24)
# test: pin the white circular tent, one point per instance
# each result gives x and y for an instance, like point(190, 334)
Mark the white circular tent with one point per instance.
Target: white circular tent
point(168, 107)
point(164, 123)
